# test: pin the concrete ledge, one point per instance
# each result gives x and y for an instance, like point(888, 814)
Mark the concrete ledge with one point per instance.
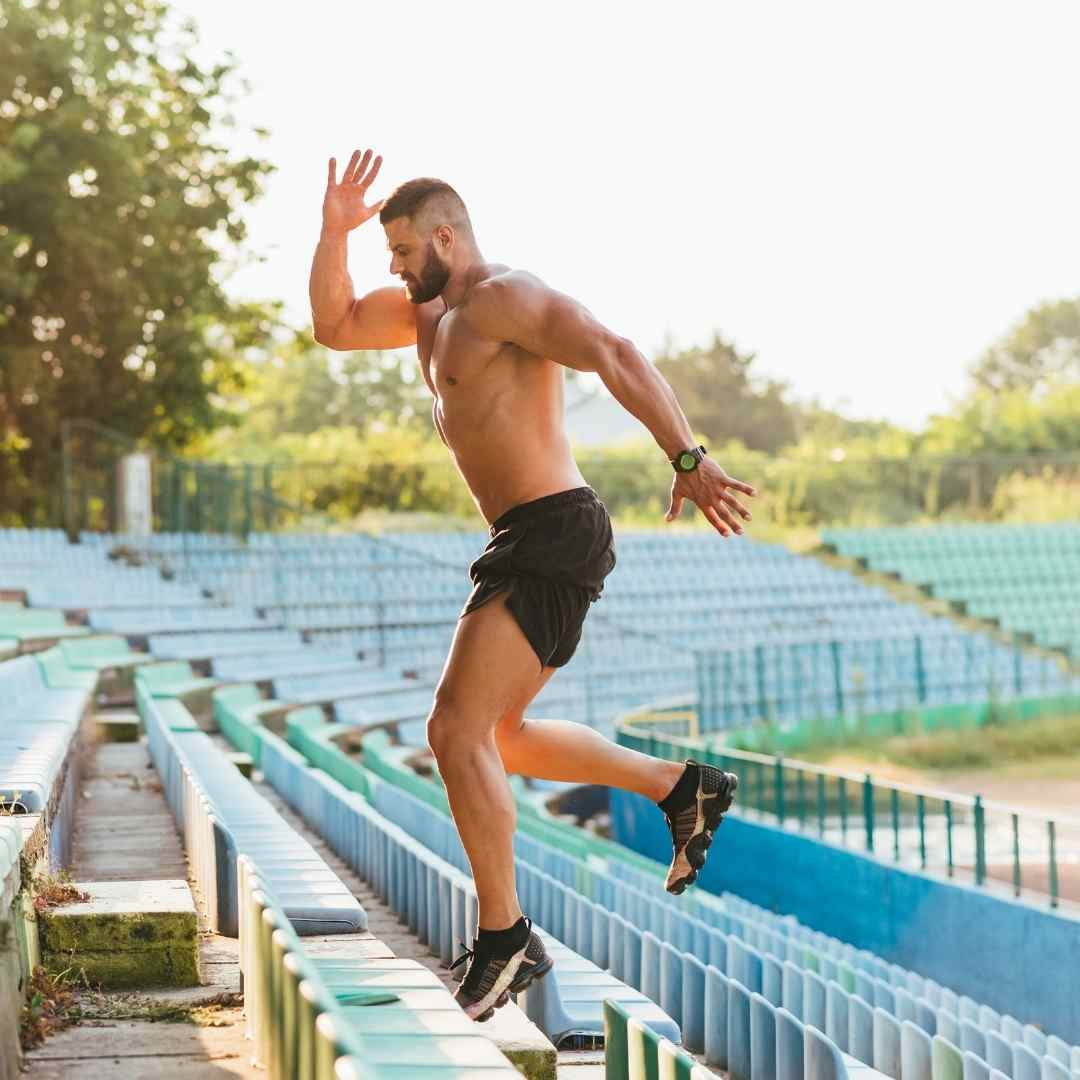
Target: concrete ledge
point(128, 934)
point(531, 1051)
point(118, 726)
point(243, 762)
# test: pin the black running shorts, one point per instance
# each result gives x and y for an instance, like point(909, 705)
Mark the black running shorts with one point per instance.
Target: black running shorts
point(551, 556)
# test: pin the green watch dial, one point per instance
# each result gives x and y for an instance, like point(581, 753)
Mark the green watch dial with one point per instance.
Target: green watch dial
point(687, 460)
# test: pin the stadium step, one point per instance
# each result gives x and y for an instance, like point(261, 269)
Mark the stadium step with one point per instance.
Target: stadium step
point(124, 934)
point(118, 726)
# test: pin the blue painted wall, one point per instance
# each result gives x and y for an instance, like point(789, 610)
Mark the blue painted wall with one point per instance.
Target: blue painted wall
point(1015, 957)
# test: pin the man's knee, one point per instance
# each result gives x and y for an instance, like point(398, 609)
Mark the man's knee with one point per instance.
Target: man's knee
point(439, 727)
point(449, 730)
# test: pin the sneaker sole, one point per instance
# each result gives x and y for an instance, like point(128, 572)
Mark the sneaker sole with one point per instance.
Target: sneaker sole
point(523, 981)
point(698, 844)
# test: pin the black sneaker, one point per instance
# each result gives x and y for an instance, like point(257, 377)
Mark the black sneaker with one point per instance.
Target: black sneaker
point(489, 981)
point(692, 828)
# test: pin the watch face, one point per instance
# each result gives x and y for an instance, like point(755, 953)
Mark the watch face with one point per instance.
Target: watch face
point(687, 460)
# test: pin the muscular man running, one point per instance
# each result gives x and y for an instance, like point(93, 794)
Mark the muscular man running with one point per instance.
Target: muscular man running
point(492, 343)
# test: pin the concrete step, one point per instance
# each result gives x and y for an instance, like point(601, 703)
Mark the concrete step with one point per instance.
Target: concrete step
point(118, 726)
point(126, 934)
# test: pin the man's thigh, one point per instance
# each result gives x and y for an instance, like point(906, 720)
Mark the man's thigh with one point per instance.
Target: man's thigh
point(491, 668)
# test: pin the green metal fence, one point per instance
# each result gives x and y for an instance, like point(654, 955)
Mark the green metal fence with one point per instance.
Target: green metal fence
point(871, 686)
point(794, 492)
point(960, 836)
point(187, 495)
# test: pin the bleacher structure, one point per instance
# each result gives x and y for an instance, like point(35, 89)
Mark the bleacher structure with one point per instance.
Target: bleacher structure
point(318, 656)
point(1023, 578)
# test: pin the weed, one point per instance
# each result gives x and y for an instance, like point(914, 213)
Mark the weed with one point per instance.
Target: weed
point(56, 1002)
point(52, 890)
point(50, 1007)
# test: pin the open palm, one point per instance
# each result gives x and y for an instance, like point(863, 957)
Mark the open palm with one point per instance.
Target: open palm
point(344, 205)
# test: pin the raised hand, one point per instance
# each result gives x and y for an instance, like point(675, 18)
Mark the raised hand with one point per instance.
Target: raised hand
point(710, 488)
point(344, 207)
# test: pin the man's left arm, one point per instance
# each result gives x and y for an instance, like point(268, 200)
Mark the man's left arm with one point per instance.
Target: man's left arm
point(519, 308)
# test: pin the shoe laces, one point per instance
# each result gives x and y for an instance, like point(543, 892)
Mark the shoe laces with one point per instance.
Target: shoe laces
point(470, 954)
point(467, 955)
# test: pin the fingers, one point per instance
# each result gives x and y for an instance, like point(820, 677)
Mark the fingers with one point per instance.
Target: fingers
point(714, 519)
point(674, 508)
point(356, 165)
point(369, 179)
point(737, 506)
point(738, 485)
point(727, 517)
point(332, 178)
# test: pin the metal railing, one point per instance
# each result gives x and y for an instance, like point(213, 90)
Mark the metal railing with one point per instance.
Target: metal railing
point(188, 496)
point(961, 836)
point(868, 685)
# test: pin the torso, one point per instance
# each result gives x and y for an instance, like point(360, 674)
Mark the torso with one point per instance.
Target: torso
point(500, 409)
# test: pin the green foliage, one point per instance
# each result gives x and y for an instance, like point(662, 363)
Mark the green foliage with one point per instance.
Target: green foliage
point(723, 401)
point(1015, 421)
point(1045, 497)
point(1043, 347)
point(117, 203)
point(298, 387)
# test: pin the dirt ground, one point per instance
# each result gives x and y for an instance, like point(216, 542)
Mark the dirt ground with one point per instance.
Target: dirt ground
point(1049, 786)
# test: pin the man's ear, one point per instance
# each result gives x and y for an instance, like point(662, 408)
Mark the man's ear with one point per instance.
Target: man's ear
point(445, 235)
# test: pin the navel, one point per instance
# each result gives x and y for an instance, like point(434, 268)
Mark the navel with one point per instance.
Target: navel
point(451, 380)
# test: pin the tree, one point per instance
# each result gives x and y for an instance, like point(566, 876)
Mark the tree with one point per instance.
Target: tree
point(298, 387)
point(1044, 345)
point(116, 206)
point(723, 400)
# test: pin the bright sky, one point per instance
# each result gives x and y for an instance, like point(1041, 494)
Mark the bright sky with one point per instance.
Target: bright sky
point(864, 194)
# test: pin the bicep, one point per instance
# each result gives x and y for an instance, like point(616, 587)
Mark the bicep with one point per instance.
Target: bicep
point(382, 319)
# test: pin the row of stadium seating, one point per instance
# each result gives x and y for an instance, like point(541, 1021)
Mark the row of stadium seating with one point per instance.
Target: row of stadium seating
point(264, 884)
point(220, 817)
point(842, 991)
point(565, 883)
point(782, 615)
point(1024, 577)
point(209, 802)
point(896, 1006)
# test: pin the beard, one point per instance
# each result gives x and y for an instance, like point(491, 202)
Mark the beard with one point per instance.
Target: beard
point(432, 280)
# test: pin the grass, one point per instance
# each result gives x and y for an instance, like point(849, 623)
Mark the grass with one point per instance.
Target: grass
point(972, 748)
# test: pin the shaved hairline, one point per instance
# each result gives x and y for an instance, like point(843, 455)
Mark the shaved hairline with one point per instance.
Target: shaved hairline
point(438, 208)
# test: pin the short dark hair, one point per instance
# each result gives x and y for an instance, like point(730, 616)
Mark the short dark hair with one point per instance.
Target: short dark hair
point(410, 199)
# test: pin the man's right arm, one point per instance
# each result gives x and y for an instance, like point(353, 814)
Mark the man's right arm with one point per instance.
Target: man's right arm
point(383, 319)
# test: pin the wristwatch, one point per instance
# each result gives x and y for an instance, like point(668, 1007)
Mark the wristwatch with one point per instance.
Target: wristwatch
point(688, 460)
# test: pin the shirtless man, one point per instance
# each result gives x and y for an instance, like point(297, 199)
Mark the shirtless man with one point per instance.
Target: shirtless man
point(492, 343)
